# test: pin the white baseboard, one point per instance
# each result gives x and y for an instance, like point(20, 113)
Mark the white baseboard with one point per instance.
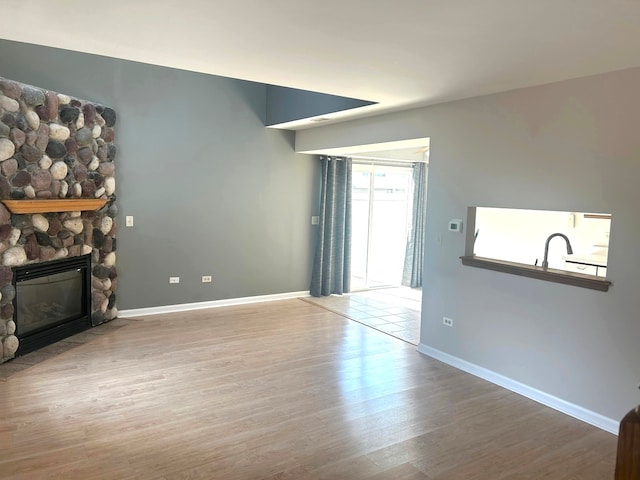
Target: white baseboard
point(185, 307)
point(556, 403)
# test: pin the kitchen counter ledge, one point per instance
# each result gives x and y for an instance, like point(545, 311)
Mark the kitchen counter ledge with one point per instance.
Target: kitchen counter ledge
point(549, 274)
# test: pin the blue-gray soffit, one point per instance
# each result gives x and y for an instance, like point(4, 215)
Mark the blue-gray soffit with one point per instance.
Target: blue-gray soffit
point(291, 104)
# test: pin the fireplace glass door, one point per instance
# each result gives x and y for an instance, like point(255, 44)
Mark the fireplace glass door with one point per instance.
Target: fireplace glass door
point(45, 302)
point(52, 301)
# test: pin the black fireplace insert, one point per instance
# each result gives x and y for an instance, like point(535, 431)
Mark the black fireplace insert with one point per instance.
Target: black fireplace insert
point(52, 302)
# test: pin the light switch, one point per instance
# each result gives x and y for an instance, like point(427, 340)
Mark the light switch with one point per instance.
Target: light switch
point(315, 220)
point(128, 221)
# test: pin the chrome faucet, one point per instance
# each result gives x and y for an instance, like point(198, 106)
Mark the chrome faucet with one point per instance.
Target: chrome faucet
point(545, 263)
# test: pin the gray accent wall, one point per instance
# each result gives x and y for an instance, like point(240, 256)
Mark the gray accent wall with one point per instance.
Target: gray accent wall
point(572, 146)
point(212, 191)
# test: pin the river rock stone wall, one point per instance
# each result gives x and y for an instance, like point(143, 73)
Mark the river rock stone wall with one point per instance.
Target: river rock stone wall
point(53, 146)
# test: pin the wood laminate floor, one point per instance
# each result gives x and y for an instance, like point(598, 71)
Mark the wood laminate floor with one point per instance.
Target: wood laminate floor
point(280, 390)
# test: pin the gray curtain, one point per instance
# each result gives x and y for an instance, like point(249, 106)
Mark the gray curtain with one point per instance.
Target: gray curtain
point(414, 255)
point(332, 261)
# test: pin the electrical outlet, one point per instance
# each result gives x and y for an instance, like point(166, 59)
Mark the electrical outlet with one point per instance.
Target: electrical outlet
point(206, 278)
point(447, 321)
point(128, 221)
point(315, 220)
point(174, 279)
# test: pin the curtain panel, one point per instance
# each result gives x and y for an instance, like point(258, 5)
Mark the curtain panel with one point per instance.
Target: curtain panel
point(332, 261)
point(414, 254)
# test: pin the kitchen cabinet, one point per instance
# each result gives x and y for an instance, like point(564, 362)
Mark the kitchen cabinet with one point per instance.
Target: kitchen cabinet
point(592, 263)
point(581, 268)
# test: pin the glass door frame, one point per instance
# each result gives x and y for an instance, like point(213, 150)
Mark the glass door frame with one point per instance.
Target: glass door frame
point(373, 167)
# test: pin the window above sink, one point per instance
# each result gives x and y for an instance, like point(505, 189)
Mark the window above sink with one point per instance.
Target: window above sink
point(520, 235)
point(540, 243)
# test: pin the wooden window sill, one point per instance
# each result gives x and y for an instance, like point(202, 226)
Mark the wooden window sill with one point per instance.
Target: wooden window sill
point(549, 275)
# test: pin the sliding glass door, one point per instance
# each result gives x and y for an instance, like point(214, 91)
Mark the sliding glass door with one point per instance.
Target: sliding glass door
point(381, 214)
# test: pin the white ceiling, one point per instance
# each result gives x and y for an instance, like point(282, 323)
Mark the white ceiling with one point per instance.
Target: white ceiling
point(412, 150)
point(399, 53)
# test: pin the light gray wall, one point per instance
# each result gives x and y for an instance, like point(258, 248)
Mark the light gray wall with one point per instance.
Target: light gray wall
point(212, 191)
point(289, 104)
point(570, 146)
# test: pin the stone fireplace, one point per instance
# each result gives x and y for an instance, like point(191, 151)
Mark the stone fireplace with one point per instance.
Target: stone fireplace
point(57, 188)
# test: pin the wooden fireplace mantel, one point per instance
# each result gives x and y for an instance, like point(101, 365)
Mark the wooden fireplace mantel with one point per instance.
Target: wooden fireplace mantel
point(57, 205)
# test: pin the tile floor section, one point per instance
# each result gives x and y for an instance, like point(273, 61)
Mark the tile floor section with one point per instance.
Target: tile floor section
point(395, 311)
